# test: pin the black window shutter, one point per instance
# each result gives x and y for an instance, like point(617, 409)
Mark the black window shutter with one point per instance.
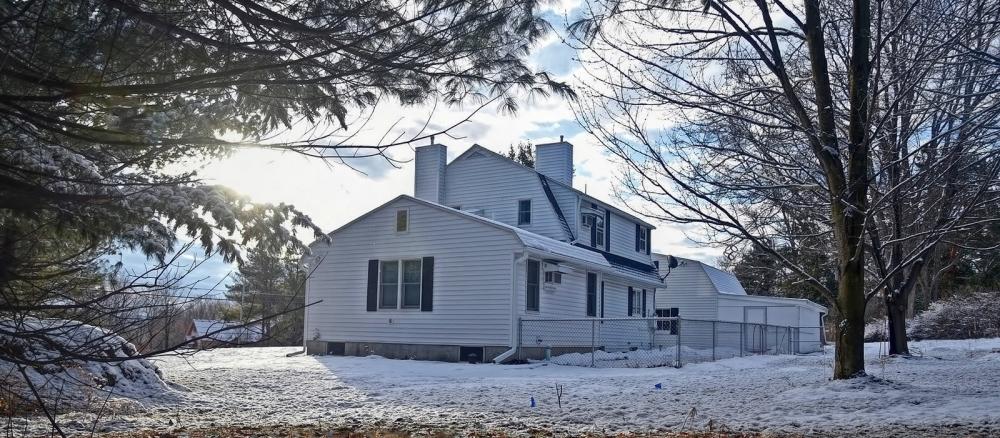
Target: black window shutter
point(372, 285)
point(427, 285)
point(631, 301)
point(649, 240)
point(644, 303)
point(638, 229)
point(591, 289)
point(602, 299)
point(607, 230)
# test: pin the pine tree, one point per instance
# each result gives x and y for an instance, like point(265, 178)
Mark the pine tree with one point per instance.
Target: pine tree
point(523, 153)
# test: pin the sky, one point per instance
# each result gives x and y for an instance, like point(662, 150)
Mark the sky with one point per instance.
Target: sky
point(332, 194)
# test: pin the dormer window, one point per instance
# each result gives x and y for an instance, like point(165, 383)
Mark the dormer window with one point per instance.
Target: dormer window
point(642, 236)
point(596, 225)
point(599, 233)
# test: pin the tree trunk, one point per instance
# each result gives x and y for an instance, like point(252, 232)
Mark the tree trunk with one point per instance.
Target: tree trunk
point(895, 310)
point(850, 346)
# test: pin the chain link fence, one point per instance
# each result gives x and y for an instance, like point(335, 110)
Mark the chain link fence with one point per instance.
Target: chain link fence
point(655, 342)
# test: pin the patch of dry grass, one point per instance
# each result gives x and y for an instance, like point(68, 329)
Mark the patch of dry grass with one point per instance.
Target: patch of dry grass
point(382, 432)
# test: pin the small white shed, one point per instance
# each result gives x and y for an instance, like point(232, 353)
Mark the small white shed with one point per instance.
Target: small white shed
point(699, 292)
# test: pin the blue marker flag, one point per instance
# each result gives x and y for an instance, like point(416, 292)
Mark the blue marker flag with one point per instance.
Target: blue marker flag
point(658, 386)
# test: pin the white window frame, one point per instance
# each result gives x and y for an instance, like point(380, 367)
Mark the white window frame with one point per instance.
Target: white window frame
point(395, 222)
point(399, 283)
point(636, 309)
point(593, 223)
point(643, 236)
point(519, 222)
point(667, 326)
point(599, 234)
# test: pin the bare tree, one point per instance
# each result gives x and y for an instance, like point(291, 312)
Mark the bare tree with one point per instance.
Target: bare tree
point(105, 104)
point(769, 124)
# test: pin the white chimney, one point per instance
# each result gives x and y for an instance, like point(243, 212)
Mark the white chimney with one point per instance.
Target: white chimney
point(555, 160)
point(428, 178)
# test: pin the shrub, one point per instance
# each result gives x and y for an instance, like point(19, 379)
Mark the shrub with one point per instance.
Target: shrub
point(966, 317)
point(877, 330)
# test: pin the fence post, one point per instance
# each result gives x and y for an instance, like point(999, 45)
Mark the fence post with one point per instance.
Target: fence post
point(713, 340)
point(788, 332)
point(678, 325)
point(742, 336)
point(776, 343)
point(520, 351)
point(593, 340)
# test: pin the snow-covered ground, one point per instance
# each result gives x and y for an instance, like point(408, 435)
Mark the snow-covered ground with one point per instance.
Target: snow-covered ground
point(953, 386)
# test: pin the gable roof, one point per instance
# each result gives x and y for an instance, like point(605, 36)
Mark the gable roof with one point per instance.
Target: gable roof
point(531, 241)
point(727, 284)
point(479, 148)
point(724, 282)
point(604, 261)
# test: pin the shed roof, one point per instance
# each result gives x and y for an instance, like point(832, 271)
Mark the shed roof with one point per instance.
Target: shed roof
point(724, 282)
point(728, 285)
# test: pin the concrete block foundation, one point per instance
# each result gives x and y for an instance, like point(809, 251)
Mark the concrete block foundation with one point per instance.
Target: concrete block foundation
point(443, 353)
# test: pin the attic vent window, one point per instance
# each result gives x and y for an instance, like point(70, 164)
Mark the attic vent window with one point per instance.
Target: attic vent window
point(402, 220)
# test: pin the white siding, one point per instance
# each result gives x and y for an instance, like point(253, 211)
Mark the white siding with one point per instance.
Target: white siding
point(689, 289)
point(428, 180)
point(555, 160)
point(622, 335)
point(568, 203)
point(623, 239)
point(481, 181)
point(472, 289)
point(569, 301)
point(810, 331)
point(778, 312)
point(563, 301)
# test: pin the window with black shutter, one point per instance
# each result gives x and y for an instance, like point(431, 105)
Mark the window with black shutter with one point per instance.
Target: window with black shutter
point(591, 294)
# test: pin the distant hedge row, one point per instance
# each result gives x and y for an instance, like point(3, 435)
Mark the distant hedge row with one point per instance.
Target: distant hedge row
point(970, 316)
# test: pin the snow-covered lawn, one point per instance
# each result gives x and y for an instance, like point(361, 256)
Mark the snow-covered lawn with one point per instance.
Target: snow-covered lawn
point(952, 383)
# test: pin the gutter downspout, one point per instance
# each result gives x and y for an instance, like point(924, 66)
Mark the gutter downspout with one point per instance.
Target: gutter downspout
point(502, 357)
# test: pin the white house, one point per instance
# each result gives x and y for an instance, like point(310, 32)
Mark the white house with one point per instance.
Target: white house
point(446, 274)
point(701, 293)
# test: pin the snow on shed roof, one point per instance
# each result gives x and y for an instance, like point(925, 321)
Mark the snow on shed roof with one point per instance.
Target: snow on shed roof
point(724, 282)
